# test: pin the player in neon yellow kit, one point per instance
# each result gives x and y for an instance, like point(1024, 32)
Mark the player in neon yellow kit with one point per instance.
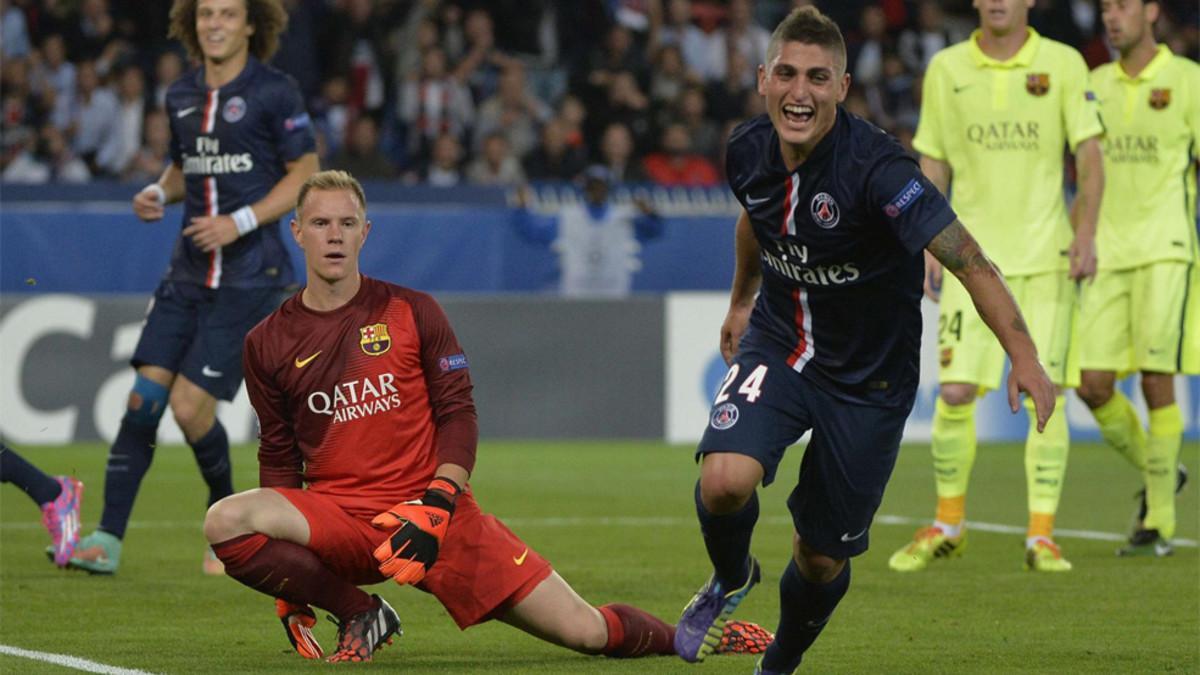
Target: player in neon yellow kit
point(996, 113)
point(1135, 316)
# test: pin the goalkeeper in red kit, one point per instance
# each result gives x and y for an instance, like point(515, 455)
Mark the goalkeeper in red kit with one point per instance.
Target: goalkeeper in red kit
point(367, 442)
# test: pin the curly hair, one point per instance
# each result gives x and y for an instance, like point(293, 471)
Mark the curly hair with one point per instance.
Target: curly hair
point(267, 16)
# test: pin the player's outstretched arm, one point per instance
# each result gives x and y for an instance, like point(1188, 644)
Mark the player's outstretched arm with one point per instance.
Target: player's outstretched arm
point(958, 251)
point(1085, 212)
point(747, 277)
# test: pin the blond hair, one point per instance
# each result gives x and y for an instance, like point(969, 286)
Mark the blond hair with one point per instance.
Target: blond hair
point(331, 180)
point(267, 16)
point(809, 26)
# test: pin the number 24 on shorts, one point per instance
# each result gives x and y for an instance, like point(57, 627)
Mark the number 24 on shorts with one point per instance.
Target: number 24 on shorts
point(950, 326)
point(751, 388)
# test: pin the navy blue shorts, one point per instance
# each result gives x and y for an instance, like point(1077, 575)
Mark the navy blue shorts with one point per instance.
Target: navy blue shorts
point(764, 406)
point(198, 332)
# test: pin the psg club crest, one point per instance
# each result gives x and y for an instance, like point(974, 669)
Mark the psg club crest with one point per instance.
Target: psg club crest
point(725, 416)
point(374, 339)
point(234, 110)
point(824, 210)
point(1160, 98)
point(1037, 83)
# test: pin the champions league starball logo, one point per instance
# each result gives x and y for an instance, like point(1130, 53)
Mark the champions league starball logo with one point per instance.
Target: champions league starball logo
point(824, 210)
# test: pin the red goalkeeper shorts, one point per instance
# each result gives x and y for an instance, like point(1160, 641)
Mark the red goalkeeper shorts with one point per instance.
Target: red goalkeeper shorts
point(482, 570)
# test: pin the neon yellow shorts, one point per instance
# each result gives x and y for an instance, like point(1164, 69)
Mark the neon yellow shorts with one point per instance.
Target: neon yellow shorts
point(1134, 319)
point(969, 353)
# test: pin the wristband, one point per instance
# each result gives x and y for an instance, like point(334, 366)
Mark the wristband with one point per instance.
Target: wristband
point(442, 493)
point(244, 220)
point(158, 191)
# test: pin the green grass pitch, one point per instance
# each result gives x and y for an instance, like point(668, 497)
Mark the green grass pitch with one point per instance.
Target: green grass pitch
point(616, 520)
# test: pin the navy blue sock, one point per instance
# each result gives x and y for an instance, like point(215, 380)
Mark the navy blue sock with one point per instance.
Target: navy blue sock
point(727, 538)
point(212, 456)
point(128, 460)
point(804, 609)
point(14, 469)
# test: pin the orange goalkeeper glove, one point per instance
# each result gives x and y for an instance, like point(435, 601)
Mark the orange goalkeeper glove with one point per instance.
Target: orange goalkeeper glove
point(413, 548)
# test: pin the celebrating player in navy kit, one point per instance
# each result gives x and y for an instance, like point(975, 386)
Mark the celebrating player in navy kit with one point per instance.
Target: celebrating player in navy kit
point(241, 146)
point(823, 333)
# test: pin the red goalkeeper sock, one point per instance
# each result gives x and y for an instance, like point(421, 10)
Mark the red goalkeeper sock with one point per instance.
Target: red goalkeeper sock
point(290, 571)
point(633, 632)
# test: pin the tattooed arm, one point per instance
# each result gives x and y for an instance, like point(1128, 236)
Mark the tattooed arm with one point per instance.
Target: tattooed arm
point(960, 254)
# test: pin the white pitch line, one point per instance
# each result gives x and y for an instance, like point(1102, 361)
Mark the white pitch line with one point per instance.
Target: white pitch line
point(69, 661)
point(673, 521)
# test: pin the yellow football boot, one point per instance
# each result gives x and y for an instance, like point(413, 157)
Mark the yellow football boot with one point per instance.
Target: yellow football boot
point(1045, 556)
point(928, 543)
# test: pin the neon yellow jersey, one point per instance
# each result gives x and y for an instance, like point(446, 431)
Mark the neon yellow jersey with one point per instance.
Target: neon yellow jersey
point(1002, 127)
point(1148, 213)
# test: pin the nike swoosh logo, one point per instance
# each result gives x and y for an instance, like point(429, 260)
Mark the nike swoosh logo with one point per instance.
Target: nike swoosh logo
point(847, 537)
point(520, 560)
point(750, 201)
point(185, 112)
point(300, 363)
point(960, 88)
point(209, 372)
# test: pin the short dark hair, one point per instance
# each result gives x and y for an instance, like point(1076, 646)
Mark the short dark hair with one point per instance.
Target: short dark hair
point(267, 16)
point(809, 26)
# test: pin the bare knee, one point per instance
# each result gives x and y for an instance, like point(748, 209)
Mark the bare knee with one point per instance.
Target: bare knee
point(815, 566)
point(586, 633)
point(727, 481)
point(193, 412)
point(1159, 389)
point(724, 493)
point(225, 520)
point(955, 393)
point(1095, 387)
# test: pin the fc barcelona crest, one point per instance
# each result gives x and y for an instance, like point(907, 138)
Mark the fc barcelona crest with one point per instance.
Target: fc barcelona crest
point(374, 339)
point(1037, 83)
point(1160, 98)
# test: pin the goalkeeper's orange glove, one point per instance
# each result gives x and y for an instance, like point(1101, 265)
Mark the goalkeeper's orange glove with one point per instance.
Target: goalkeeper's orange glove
point(413, 548)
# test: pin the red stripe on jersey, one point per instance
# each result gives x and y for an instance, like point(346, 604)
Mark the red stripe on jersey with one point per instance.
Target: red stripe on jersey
point(803, 351)
point(787, 207)
point(210, 280)
point(211, 199)
point(213, 278)
point(210, 112)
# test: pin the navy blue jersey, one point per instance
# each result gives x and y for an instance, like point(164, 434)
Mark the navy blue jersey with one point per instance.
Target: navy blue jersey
point(233, 144)
point(841, 239)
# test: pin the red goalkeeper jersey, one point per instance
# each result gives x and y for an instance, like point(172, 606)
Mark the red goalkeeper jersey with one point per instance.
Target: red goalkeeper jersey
point(363, 402)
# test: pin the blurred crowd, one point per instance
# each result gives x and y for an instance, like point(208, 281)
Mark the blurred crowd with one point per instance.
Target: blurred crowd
point(488, 92)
